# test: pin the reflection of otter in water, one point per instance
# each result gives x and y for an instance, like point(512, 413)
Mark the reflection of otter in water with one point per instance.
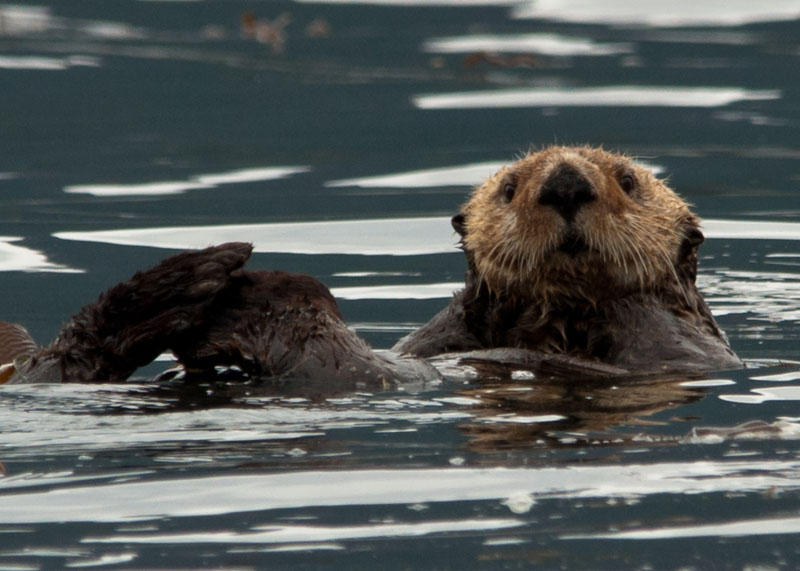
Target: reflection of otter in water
point(553, 412)
point(576, 257)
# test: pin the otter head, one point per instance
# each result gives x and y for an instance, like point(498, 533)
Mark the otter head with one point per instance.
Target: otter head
point(578, 222)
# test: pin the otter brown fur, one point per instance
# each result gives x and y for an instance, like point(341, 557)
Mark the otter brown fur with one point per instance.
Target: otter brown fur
point(581, 252)
point(274, 324)
point(578, 260)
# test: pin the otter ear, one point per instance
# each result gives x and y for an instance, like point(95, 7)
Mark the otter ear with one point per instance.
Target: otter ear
point(693, 237)
point(459, 222)
point(687, 257)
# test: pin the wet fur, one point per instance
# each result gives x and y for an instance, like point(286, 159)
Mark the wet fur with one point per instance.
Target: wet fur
point(135, 321)
point(276, 324)
point(627, 296)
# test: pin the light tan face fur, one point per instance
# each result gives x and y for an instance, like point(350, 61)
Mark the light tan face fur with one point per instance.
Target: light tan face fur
point(631, 239)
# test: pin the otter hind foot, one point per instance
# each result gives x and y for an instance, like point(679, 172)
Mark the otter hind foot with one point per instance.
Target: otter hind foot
point(135, 321)
point(15, 342)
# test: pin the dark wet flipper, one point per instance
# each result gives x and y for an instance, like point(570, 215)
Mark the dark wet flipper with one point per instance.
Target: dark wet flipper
point(135, 321)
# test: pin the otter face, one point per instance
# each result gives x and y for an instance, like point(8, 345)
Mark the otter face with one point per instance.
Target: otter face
point(580, 222)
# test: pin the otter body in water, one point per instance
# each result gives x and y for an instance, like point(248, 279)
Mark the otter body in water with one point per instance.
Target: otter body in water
point(576, 257)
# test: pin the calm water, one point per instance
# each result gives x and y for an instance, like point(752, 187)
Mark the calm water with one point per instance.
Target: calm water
point(339, 138)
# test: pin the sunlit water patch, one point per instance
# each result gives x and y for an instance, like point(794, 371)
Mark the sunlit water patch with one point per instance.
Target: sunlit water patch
point(202, 181)
point(14, 257)
point(69, 417)
point(18, 20)
point(310, 534)
point(759, 396)
point(779, 377)
point(465, 175)
point(453, 3)
point(134, 468)
point(406, 291)
point(176, 498)
point(656, 13)
point(613, 96)
point(39, 63)
point(741, 528)
point(768, 297)
point(391, 237)
point(708, 383)
point(751, 229)
point(545, 44)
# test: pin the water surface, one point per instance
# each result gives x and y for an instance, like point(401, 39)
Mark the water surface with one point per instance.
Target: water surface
point(340, 138)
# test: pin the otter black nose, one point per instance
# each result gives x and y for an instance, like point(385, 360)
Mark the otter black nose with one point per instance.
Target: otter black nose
point(566, 190)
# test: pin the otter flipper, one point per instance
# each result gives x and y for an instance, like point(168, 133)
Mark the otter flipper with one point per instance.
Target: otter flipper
point(135, 321)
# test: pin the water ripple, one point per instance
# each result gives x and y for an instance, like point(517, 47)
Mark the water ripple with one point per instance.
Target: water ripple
point(241, 493)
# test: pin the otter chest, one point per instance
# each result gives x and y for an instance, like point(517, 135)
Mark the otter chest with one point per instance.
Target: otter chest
point(584, 332)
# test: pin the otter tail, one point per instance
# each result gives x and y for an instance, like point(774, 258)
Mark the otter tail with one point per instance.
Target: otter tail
point(136, 320)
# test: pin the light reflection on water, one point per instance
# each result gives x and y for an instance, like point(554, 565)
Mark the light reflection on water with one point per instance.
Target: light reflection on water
point(764, 526)
point(203, 181)
point(47, 63)
point(14, 257)
point(767, 297)
point(548, 44)
point(655, 13)
point(612, 96)
point(148, 500)
point(482, 456)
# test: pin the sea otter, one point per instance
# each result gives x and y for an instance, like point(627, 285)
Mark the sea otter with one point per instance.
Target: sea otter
point(579, 260)
point(578, 251)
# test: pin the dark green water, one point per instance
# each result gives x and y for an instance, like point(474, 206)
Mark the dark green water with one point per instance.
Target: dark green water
point(129, 129)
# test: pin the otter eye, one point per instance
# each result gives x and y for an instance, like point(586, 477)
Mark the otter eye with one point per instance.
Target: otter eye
point(509, 188)
point(627, 183)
